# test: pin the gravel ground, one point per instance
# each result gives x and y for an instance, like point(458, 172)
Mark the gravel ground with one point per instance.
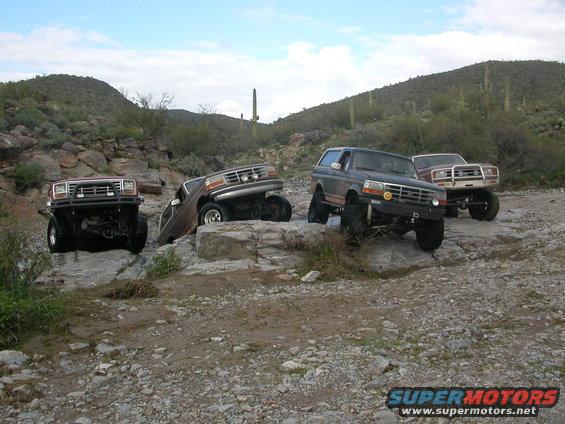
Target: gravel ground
point(260, 347)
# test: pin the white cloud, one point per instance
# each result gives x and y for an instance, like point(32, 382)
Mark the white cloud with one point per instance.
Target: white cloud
point(306, 75)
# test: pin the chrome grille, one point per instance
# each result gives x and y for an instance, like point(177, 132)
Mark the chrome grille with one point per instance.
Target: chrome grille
point(94, 188)
point(406, 194)
point(234, 177)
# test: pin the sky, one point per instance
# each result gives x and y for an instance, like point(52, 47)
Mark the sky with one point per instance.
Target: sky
point(297, 54)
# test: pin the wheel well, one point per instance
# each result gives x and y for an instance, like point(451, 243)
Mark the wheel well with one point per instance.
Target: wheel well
point(350, 196)
point(201, 202)
point(319, 187)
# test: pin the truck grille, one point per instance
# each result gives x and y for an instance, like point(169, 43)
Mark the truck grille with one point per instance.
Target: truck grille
point(234, 177)
point(466, 172)
point(413, 195)
point(92, 189)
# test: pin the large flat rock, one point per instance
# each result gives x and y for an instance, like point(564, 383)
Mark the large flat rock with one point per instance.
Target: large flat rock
point(80, 269)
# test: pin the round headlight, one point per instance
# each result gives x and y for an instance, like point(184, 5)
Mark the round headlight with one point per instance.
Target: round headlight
point(435, 202)
point(255, 176)
point(460, 173)
point(244, 178)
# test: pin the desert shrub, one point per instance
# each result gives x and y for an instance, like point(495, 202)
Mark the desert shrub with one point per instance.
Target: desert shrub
point(190, 165)
point(24, 309)
point(197, 139)
point(120, 132)
point(27, 175)
point(132, 288)
point(60, 120)
point(28, 117)
point(333, 254)
point(3, 124)
point(54, 140)
point(162, 265)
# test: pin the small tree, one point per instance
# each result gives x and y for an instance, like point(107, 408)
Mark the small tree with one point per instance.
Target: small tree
point(151, 116)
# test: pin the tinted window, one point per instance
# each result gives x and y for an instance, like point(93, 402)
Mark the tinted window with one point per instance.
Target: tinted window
point(330, 157)
point(383, 162)
point(429, 161)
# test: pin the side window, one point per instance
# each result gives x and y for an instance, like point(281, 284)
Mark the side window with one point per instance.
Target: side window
point(330, 157)
point(191, 185)
point(344, 160)
point(180, 194)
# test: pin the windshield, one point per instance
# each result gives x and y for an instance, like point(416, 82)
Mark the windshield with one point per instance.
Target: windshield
point(383, 162)
point(436, 160)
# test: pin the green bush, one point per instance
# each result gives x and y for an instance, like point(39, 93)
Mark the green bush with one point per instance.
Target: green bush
point(120, 132)
point(162, 265)
point(29, 117)
point(191, 166)
point(24, 309)
point(27, 175)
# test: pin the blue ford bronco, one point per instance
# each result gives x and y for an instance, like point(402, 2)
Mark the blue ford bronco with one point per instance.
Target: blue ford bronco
point(373, 190)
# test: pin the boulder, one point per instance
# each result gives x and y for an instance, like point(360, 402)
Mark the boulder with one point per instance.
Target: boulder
point(13, 357)
point(82, 170)
point(85, 269)
point(66, 159)
point(128, 143)
point(253, 239)
point(12, 145)
point(148, 179)
point(50, 165)
point(70, 147)
point(93, 159)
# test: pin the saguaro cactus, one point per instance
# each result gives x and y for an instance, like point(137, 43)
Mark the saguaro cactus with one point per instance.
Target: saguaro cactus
point(370, 98)
point(241, 124)
point(352, 112)
point(255, 117)
point(487, 79)
point(506, 95)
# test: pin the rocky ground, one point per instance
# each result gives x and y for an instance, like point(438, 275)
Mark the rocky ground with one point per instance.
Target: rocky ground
point(256, 344)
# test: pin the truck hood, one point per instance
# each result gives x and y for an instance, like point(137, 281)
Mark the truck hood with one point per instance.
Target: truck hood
point(399, 179)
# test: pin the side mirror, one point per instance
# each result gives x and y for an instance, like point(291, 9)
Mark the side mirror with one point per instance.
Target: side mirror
point(175, 202)
point(336, 166)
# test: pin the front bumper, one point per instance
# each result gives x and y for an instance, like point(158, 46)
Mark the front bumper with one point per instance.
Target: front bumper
point(246, 189)
point(90, 202)
point(467, 184)
point(406, 210)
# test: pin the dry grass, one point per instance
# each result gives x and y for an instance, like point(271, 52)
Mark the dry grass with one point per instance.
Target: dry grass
point(132, 288)
point(333, 254)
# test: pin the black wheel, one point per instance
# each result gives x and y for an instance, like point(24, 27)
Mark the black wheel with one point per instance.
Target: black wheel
point(430, 235)
point(58, 236)
point(452, 211)
point(489, 208)
point(277, 209)
point(318, 212)
point(139, 237)
point(212, 212)
point(354, 220)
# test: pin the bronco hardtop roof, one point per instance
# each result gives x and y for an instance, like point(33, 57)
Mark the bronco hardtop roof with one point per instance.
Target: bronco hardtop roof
point(364, 149)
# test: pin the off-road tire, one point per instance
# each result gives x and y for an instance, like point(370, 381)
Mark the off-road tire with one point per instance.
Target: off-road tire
point(139, 237)
point(487, 212)
point(318, 212)
point(354, 220)
point(58, 236)
point(430, 235)
point(212, 212)
point(452, 211)
point(277, 209)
